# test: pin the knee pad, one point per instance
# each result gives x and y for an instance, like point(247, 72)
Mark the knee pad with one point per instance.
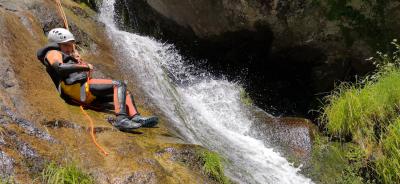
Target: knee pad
point(119, 83)
point(121, 95)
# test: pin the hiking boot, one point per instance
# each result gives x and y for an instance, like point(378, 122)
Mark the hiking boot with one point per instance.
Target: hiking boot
point(124, 124)
point(145, 121)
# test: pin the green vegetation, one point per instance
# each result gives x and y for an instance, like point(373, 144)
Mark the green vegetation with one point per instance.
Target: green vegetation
point(335, 162)
point(69, 174)
point(388, 162)
point(6, 181)
point(366, 115)
point(212, 166)
point(245, 97)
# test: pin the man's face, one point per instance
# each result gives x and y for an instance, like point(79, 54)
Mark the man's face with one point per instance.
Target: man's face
point(68, 47)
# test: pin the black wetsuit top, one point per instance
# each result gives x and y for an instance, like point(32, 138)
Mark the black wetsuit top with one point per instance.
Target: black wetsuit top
point(69, 71)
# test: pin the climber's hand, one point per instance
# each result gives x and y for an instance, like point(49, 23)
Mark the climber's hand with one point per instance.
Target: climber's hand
point(90, 66)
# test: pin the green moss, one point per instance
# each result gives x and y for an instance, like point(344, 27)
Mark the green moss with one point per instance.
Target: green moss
point(7, 181)
point(212, 166)
point(294, 160)
point(335, 162)
point(245, 98)
point(69, 174)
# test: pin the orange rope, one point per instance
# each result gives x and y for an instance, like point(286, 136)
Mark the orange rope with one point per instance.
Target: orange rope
point(64, 17)
point(62, 14)
point(92, 133)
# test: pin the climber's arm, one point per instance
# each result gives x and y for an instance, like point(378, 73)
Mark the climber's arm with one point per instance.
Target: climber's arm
point(55, 61)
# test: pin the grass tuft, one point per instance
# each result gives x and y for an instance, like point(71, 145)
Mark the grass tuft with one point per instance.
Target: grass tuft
point(388, 162)
point(69, 174)
point(213, 166)
point(356, 111)
point(367, 114)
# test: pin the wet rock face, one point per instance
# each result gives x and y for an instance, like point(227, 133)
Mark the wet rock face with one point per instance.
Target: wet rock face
point(16, 152)
point(50, 19)
point(141, 177)
point(28, 127)
point(94, 4)
point(31, 159)
point(6, 166)
point(293, 137)
point(286, 50)
point(185, 153)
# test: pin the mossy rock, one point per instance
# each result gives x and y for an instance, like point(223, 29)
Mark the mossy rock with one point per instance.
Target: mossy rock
point(334, 162)
point(39, 126)
point(213, 166)
point(93, 4)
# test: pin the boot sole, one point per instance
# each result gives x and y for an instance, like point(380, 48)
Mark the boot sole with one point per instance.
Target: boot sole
point(151, 122)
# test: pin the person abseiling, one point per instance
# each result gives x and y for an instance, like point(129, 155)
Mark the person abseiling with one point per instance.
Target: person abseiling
point(71, 75)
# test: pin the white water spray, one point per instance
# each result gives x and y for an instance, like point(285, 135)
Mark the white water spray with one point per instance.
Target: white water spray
point(203, 109)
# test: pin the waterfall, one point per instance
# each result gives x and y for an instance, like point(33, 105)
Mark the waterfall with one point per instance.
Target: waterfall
point(204, 110)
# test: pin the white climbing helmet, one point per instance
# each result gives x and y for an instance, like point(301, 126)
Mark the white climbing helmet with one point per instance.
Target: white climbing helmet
point(60, 35)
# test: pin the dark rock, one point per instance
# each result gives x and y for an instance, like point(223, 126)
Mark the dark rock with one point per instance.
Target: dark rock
point(79, 11)
point(2, 136)
point(93, 4)
point(141, 177)
point(291, 136)
point(28, 126)
point(50, 19)
point(32, 160)
point(187, 154)
point(101, 129)
point(61, 124)
point(7, 75)
point(26, 155)
point(6, 81)
point(6, 166)
point(149, 161)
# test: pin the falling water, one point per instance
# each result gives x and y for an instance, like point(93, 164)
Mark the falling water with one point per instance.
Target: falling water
point(203, 109)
